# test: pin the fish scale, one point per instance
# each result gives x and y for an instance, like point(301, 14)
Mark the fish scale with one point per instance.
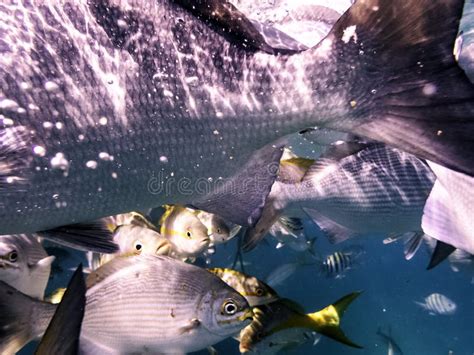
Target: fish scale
point(88, 77)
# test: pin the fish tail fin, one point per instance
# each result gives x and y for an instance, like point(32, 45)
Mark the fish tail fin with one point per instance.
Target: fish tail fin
point(328, 320)
point(21, 319)
point(411, 92)
point(441, 252)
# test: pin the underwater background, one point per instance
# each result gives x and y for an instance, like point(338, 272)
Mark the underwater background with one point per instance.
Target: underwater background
point(390, 284)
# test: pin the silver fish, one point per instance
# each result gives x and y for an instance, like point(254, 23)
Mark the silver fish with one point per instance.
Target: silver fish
point(177, 307)
point(358, 188)
point(438, 304)
point(392, 347)
point(219, 230)
point(24, 264)
point(112, 107)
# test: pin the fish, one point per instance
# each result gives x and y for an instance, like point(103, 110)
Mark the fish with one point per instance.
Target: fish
point(218, 230)
point(256, 292)
point(411, 242)
point(63, 332)
point(284, 323)
point(185, 231)
point(178, 308)
point(137, 238)
point(289, 231)
point(337, 264)
point(24, 264)
point(286, 270)
point(448, 213)
point(356, 188)
point(393, 348)
point(198, 95)
point(438, 304)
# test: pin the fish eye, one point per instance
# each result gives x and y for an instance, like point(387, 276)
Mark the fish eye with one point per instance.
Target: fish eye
point(259, 292)
point(13, 256)
point(138, 246)
point(229, 308)
point(218, 230)
point(188, 234)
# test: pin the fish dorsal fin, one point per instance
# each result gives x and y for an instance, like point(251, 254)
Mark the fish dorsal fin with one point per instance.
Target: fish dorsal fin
point(113, 266)
point(227, 20)
point(63, 332)
point(440, 253)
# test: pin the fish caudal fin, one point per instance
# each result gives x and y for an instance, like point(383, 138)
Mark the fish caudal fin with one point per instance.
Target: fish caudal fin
point(92, 236)
point(328, 320)
point(410, 91)
point(62, 335)
point(19, 323)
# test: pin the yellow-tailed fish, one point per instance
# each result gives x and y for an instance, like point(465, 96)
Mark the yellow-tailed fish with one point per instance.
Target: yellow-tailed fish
point(24, 264)
point(255, 291)
point(283, 323)
point(185, 231)
point(136, 304)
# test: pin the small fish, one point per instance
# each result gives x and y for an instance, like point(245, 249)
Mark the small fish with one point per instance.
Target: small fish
point(438, 304)
point(337, 264)
point(185, 231)
point(283, 323)
point(218, 229)
point(393, 348)
point(284, 271)
point(63, 332)
point(24, 264)
point(255, 291)
point(178, 308)
point(289, 232)
point(356, 188)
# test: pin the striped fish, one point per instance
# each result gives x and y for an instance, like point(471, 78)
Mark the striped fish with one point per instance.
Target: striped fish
point(24, 264)
point(438, 304)
point(336, 264)
point(137, 304)
point(355, 189)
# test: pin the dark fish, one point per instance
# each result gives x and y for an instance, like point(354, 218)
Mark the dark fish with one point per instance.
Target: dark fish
point(113, 106)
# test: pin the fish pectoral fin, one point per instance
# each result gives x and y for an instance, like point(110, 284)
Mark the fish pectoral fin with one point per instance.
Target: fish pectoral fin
point(63, 332)
point(241, 198)
point(44, 263)
point(91, 236)
point(335, 232)
point(412, 244)
point(191, 325)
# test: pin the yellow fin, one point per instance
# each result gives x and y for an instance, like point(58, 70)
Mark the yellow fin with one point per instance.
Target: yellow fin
point(56, 296)
point(304, 163)
point(328, 320)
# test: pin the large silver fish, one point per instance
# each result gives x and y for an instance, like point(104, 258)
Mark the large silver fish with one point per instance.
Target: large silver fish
point(24, 264)
point(176, 307)
point(356, 189)
point(113, 106)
